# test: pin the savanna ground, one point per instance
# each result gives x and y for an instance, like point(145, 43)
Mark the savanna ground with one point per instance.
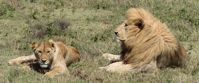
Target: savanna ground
point(88, 25)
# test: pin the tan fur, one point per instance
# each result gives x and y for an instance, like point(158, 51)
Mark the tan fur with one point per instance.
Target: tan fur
point(147, 43)
point(55, 54)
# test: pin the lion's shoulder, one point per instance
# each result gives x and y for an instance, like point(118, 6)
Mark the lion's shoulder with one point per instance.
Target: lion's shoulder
point(68, 52)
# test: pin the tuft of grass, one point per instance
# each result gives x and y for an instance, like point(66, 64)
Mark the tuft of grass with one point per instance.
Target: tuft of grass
point(6, 10)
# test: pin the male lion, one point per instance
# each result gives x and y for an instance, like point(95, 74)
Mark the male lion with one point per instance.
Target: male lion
point(54, 55)
point(147, 45)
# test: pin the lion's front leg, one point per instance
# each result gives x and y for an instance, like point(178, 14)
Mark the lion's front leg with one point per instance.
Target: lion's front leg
point(22, 59)
point(57, 70)
point(111, 57)
point(120, 67)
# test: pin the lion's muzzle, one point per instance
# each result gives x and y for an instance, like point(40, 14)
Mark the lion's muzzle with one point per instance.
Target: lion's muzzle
point(44, 63)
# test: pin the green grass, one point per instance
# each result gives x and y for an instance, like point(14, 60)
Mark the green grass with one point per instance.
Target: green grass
point(91, 24)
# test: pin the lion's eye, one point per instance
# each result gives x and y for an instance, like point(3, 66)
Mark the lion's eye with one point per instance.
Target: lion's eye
point(48, 51)
point(39, 51)
point(125, 24)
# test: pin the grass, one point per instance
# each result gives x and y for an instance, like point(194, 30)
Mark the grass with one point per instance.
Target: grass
point(88, 25)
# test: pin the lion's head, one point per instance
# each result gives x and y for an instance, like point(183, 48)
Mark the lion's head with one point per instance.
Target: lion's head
point(134, 24)
point(43, 52)
point(128, 29)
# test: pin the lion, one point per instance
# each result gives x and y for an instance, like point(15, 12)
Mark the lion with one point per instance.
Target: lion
point(52, 55)
point(147, 45)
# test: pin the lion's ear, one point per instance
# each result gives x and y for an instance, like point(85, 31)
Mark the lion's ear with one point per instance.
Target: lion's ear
point(139, 23)
point(51, 42)
point(33, 45)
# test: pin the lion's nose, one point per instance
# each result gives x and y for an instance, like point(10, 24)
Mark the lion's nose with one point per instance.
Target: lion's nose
point(116, 33)
point(43, 60)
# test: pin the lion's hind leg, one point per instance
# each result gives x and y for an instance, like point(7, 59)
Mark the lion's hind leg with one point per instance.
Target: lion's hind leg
point(150, 67)
point(21, 60)
point(118, 67)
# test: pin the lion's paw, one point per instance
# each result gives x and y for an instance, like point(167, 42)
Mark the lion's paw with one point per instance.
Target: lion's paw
point(110, 56)
point(49, 74)
point(102, 68)
point(13, 62)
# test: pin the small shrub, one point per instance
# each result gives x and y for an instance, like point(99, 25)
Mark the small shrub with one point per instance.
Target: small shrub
point(57, 27)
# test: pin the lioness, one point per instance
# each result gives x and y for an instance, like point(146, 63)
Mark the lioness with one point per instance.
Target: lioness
point(54, 55)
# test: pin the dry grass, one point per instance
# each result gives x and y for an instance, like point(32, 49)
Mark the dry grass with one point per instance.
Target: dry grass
point(88, 25)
